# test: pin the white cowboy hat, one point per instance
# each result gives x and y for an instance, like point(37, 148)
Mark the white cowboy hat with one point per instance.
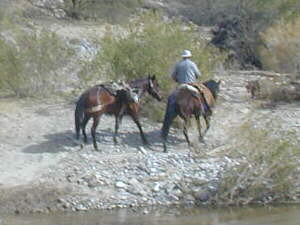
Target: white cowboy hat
point(186, 53)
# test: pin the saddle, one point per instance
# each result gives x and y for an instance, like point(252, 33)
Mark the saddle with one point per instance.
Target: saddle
point(113, 87)
point(200, 91)
point(208, 96)
point(121, 90)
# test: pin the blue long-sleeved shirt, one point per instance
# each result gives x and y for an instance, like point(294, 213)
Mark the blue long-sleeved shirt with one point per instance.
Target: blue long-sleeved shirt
point(185, 71)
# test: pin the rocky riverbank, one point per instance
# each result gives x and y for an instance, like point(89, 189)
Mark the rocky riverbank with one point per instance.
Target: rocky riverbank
point(58, 174)
point(44, 169)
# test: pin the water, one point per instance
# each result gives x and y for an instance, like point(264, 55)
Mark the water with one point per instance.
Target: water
point(276, 215)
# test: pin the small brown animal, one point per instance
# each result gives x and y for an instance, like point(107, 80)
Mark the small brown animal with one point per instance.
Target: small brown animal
point(253, 87)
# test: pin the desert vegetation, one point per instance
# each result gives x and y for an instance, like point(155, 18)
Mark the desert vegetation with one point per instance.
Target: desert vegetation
point(252, 33)
point(266, 166)
point(282, 52)
point(283, 89)
point(239, 25)
point(111, 11)
point(151, 46)
point(29, 58)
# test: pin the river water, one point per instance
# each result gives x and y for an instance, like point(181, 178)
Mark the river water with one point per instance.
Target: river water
point(275, 215)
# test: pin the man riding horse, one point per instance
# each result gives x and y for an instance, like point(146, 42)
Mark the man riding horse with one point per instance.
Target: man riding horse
point(190, 99)
point(186, 73)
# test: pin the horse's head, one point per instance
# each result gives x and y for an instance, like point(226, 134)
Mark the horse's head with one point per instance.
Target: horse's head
point(152, 87)
point(213, 86)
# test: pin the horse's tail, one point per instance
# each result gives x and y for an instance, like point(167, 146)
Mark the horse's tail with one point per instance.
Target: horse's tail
point(170, 115)
point(79, 115)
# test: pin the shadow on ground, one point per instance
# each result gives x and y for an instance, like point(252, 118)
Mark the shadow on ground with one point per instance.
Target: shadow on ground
point(55, 143)
point(63, 141)
point(133, 139)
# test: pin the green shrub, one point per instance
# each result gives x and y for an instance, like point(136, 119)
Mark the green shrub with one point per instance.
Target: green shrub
point(30, 60)
point(150, 45)
point(266, 168)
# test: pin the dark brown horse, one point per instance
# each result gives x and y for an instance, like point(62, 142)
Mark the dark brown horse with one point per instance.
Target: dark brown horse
point(187, 101)
point(98, 100)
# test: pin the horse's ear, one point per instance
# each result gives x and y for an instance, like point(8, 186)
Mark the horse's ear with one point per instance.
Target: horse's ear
point(153, 77)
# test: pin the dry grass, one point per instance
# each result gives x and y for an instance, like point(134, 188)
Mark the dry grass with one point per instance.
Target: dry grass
point(281, 89)
point(266, 168)
point(283, 47)
point(30, 58)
